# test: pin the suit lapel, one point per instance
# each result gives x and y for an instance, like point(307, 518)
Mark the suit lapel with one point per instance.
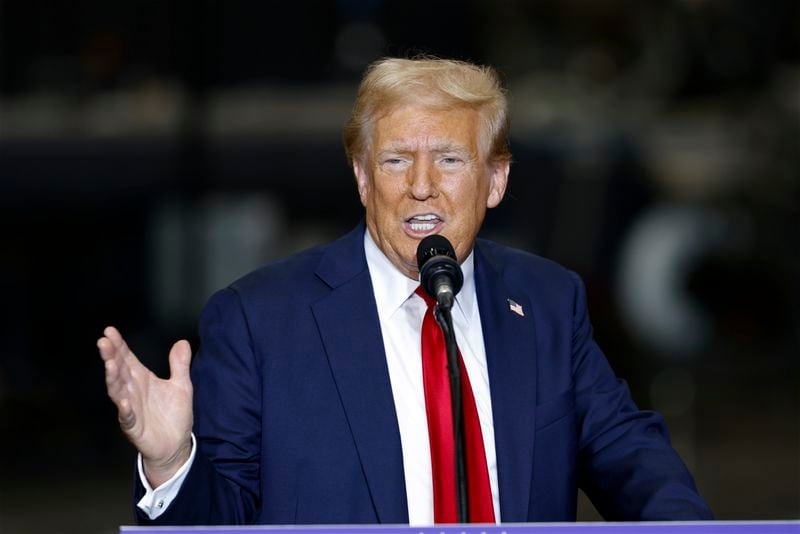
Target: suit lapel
point(510, 343)
point(348, 323)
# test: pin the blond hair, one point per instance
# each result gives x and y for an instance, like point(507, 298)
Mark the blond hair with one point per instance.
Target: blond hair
point(430, 82)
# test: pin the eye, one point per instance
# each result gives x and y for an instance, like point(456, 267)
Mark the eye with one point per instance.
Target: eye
point(394, 163)
point(451, 162)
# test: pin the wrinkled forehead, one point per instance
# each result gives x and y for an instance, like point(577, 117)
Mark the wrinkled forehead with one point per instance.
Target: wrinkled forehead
point(440, 129)
point(427, 143)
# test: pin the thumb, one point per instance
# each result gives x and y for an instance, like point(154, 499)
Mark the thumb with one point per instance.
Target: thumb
point(180, 356)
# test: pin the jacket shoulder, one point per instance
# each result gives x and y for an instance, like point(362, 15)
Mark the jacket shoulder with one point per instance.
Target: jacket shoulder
point(527, 270)
point(273, 287)
point(288, 275)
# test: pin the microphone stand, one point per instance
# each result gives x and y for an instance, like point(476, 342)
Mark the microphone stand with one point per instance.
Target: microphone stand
point(445, 320)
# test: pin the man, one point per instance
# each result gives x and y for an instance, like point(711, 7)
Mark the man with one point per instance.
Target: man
point(309, 401)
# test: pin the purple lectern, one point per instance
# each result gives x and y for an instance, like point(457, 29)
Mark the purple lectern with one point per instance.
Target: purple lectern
point(676, 527)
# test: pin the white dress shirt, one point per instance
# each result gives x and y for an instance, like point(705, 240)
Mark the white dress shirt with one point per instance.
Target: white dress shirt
point(156, 500)
point(401, 312)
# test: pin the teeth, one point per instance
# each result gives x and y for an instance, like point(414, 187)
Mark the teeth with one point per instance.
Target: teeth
point(422, 227)
point(424, 222)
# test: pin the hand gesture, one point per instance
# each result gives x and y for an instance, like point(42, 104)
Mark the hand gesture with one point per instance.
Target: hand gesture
point(154, 414)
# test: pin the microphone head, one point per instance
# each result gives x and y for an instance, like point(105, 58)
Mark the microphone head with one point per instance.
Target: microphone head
point(434, 245)
point(436, 259)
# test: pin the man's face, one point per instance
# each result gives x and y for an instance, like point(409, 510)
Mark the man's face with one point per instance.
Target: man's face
point(427, 173)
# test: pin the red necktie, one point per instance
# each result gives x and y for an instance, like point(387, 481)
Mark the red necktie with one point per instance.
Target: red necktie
point(440, 430)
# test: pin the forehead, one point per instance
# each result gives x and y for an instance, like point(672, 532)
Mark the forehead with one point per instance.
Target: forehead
point(417, 127)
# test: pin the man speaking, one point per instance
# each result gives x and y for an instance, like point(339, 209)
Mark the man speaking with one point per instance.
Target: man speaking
point(320, 391)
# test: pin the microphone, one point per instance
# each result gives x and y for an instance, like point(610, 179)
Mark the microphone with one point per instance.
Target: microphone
point(439, 272)
point(441, 276)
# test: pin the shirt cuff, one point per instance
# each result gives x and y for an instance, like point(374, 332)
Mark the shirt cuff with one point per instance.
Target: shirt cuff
point(155, 501)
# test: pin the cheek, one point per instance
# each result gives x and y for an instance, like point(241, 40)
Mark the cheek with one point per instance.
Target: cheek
point(466, 194)
point(388, 194)
point(382, 206)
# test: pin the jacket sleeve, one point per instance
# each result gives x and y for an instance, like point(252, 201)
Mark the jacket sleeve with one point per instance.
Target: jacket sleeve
point(222, 486)
point(626, 464)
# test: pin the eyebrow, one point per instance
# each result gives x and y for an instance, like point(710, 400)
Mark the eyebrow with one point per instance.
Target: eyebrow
point(437, 147)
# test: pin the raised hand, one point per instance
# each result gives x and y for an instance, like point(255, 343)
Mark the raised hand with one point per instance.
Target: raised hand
point(154, 414)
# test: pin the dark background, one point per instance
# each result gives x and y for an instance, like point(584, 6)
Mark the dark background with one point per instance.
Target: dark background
point(153, 151)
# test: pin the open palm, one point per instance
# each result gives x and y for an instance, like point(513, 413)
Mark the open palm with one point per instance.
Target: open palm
point(155, 414)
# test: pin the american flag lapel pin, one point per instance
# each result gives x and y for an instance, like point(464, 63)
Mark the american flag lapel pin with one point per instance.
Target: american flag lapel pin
point(516, 308)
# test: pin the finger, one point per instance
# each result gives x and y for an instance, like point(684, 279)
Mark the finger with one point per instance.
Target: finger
point(180, 357)
point(115, 366)
point(123, 363)
point(111, 346)
point(127, 419)
point(112, 334)
point(115, 387)
point(112, 381)
point(115, 337)
point(106, 348)
point(112, 372)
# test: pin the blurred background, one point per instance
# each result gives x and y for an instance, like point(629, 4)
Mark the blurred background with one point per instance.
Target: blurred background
point(153, 151)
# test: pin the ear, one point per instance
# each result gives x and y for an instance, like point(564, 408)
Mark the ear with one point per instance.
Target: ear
point(498, 180)
point(362, 181)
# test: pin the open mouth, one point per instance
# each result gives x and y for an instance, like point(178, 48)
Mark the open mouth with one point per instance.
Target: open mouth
point(423, 223)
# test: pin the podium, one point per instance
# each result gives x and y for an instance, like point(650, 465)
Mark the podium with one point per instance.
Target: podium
point(672, 527)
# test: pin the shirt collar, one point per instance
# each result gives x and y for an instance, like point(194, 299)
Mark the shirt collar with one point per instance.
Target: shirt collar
point(392, 288)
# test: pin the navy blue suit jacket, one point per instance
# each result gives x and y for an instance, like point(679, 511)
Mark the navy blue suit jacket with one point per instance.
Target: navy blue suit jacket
point(296, 423)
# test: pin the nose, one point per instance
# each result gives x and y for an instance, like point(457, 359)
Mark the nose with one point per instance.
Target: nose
point(422, 180)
